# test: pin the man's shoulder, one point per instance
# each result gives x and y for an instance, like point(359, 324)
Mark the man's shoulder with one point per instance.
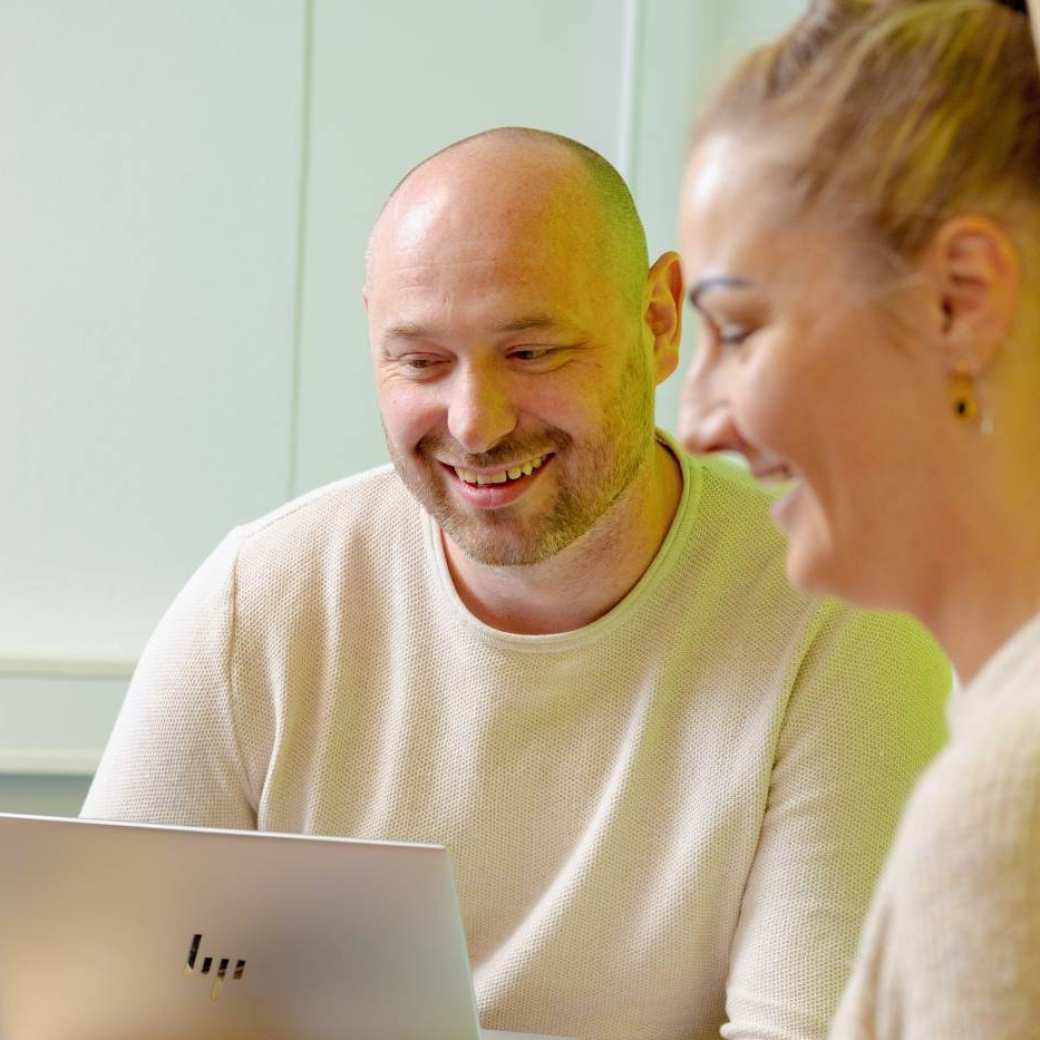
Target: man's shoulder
point(738, 557)
point(729, 540)
point(370, 509)
point(377, 487)
point(729, 499)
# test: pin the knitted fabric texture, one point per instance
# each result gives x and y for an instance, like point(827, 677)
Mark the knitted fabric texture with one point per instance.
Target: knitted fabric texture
point(952, 948)
point(665, 824)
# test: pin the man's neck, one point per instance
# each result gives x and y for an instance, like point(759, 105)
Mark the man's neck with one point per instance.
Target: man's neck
point(591, 576)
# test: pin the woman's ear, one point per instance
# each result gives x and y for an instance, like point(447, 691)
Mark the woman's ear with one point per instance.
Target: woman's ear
point(973, 266)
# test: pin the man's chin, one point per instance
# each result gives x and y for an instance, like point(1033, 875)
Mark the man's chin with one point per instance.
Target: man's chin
point(494, 551)
point(495, 539)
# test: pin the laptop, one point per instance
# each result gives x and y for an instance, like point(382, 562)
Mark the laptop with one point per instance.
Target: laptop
point(113, 931)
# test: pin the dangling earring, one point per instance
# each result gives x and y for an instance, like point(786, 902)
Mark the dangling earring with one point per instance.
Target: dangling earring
point(962, 395)
point(965, 402)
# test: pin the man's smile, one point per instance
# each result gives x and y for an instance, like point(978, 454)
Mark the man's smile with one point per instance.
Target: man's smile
point(501, 475)
point(494, 488)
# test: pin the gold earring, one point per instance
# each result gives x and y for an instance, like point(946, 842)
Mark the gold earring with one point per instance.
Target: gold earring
point(962, 396)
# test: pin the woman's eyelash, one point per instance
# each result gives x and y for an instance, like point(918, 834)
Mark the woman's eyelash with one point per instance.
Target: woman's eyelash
point(733, 333)
point(727, 333)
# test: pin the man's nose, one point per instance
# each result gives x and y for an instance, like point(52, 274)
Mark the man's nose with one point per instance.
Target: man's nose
point(480, 412)
point(705, 418)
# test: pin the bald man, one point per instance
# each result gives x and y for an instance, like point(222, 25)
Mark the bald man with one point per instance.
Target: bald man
point(548, 639)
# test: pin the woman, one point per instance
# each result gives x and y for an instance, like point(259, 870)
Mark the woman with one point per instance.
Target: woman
point(861, 234)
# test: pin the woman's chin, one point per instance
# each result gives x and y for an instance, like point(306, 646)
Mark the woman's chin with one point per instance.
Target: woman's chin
point(820, 568)
point(815, 564)
point(807, 573)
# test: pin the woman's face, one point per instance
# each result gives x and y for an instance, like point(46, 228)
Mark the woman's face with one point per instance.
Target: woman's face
point(799, 366)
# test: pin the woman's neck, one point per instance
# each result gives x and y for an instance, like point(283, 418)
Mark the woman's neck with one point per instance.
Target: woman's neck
point(986, 579)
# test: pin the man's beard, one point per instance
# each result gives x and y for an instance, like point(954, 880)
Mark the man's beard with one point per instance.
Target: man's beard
point(589, 479)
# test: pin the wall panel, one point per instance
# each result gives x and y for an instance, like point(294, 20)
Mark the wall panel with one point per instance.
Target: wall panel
point(187, 191)
point(148, 205)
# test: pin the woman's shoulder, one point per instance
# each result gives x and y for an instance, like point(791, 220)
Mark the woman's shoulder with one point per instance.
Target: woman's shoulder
point(972, 828)
point(988, 776)
point(962, 892)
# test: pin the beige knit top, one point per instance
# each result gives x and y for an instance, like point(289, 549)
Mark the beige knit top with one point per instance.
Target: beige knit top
point(952, 948)
point(664, 824)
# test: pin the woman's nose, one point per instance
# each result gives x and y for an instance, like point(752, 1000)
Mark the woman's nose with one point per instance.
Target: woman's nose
point(705, 418)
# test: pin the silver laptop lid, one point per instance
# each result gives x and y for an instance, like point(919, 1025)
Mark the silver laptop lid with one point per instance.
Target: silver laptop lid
point(117, 932)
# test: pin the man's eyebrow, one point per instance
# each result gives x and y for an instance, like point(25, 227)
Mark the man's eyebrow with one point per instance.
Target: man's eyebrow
point(719, 281)
point(413, 330)
point(531, 321)
point(407, 330)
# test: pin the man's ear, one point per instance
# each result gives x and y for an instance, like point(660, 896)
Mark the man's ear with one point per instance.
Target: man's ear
point(664, 312)
point(973, 265)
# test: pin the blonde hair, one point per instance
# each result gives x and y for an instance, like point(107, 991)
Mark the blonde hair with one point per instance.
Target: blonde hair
point(898, 115)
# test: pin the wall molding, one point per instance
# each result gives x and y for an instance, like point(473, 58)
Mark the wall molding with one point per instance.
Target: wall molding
point(56, 714)
point(50, 762)
point(66, 668)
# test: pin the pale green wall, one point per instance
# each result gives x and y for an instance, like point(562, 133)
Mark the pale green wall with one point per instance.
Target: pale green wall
point(43, 795)
point(184, 218)
point(686, 48)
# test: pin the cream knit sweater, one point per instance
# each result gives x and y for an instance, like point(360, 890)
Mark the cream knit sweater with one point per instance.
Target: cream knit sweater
point(663, 822)
point(952, 948)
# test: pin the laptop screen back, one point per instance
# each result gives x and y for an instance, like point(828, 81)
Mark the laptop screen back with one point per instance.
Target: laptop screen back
point(120, 932)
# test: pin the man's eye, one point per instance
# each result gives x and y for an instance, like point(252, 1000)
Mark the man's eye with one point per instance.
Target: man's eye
point(417, 364)
point(531, 353)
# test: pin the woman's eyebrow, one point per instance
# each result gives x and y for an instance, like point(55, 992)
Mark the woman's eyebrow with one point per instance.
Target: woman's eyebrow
point(719, 281)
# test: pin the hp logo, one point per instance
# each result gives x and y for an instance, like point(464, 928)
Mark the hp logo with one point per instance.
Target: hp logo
point(207, 964)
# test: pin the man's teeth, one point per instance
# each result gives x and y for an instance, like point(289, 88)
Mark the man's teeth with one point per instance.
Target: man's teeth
point(470, 477)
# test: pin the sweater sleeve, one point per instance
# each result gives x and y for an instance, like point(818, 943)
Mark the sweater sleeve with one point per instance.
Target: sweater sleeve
point(954, 947)
point(865, 715)
point(174, 755)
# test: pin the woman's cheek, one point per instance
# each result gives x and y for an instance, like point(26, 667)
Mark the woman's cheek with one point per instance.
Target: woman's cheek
point(771, 403)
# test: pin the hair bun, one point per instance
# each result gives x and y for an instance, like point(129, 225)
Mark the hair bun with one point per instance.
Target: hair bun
point(1019, 6)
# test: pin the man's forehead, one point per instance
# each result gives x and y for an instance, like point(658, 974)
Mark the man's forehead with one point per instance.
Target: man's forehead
point(440, 243)
point(476, 200)
point(408, 223)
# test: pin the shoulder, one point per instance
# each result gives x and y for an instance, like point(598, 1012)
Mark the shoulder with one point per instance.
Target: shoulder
point(732, 508)
point(743, 555)
point(969, 845)
point(358, 501)
point(965, 885)
point(373, 505)
point(729, 557)
point(309, 549)
point(350, 529)
point(981, 801)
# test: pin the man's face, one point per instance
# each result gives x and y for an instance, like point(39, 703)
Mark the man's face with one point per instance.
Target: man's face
point(515, 385)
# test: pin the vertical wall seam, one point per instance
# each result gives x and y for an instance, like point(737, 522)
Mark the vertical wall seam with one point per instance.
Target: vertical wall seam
point(302, 209)
point(629, 123)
